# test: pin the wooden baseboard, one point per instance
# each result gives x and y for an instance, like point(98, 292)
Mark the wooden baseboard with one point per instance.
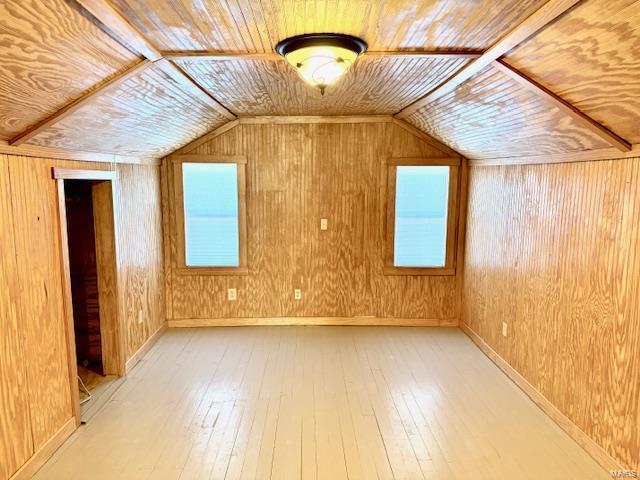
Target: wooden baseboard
point(142, 351)
point(346, 321)
point(580, 437)
point(39, 458)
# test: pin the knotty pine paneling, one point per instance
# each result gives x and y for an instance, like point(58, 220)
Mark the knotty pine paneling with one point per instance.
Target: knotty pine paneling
point(591, 58)
point(374, 85)
point(34, 386)
point(491, 116)
point(553, 251)
point(296, 175)
point(50, 54)
point(149, 115)
point(256, 26)
point(140, 257)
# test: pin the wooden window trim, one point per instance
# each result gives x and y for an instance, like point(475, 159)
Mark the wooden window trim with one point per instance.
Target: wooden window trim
point(182, 267)
point(453, 212)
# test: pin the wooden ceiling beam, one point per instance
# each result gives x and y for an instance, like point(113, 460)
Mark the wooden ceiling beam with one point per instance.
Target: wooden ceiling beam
point(122, 31)
point(531, 25)
point(556, 101)
point(221, 56)
point(79, 102)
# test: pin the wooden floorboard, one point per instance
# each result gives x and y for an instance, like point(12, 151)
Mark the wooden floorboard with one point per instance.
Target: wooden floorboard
point(319, 403)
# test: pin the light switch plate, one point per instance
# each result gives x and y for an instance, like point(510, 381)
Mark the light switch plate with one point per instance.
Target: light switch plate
point(504, 329)
point(324, 224)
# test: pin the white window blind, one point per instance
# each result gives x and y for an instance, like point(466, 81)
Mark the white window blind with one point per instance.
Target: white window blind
point(210, 193)
point(420, 237)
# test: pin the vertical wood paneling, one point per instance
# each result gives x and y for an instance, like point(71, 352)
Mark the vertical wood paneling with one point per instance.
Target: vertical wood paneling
point(16, 444)
point(296, 175)
point(35, 401)
point(40, 296)
point(140, 263)
point(553, 251)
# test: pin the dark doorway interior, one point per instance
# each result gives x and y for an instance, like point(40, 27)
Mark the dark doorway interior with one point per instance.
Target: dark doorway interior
point(84, 275)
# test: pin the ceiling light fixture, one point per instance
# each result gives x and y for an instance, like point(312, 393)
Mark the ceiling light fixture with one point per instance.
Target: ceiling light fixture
point(321, 58)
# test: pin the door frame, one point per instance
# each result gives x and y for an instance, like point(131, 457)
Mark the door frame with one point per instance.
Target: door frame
point(105, 224)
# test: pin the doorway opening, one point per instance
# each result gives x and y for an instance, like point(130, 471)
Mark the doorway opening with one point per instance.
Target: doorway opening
point(85, 295)
point(87, 233)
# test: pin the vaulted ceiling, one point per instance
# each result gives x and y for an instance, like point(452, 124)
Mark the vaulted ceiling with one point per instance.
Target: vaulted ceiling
point(489, 78)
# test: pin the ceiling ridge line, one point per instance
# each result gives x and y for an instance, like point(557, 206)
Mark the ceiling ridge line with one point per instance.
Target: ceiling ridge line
point(535, 22)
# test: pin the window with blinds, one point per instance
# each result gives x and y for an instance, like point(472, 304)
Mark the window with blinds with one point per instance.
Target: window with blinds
point(421, 209)
point(210, 192)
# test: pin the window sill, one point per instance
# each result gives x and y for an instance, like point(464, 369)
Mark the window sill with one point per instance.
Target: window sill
point(409, 271)
point(212, 271)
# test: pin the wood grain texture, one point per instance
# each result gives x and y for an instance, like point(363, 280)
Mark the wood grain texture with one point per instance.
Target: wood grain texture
point(50, 56)
point(256, 26)
point(16, 444)
point(111, 326)
point(556, 101)
point(491, 116)
point(591, 58)
point(298, 174)
point(140, 254)
point(553, 251)
point(148, 115)
point(374, 85)
point(548, 12)
point(34, 377)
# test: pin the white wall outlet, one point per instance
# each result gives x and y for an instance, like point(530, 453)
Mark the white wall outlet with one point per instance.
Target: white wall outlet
point(504, 329)
point(324, 224)
point(140, 317)
point(297, 294)
point(232, 294)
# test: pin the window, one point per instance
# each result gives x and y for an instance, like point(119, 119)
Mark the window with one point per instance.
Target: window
point(421, 216)
point(212, 224)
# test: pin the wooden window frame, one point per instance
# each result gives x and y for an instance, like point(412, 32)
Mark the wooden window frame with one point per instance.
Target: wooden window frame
point(453, 213)
point(241, 162)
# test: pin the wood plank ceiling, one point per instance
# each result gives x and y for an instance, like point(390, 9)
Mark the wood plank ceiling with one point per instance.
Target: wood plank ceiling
point(143, 78)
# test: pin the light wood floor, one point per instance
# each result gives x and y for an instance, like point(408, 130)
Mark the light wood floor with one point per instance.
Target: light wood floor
point(319, 403)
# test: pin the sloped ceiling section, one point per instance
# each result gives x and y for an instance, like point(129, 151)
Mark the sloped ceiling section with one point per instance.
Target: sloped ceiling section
point(490, 116)
point(591, 58)
point(73, 72)
point(390, 25)
point(49, 56)
point(374, 86)
point(147, 115)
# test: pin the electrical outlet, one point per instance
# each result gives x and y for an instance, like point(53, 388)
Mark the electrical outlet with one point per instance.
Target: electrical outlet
point(504, 329)
point(232, 294)
point(297, 294)
point(324, 224)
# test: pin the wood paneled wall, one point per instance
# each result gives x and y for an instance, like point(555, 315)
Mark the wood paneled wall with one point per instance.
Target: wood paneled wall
point(296, 175)
point(140, 259)
point(35, 401)
point(552, 250)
